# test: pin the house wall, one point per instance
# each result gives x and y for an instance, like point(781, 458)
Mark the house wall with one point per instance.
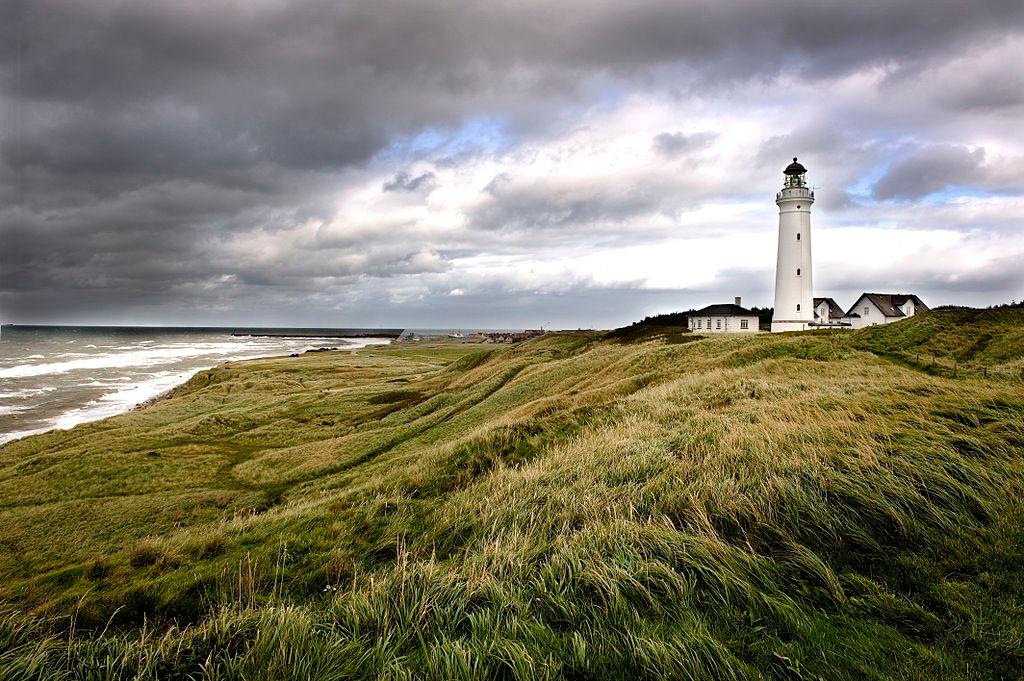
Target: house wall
point(875, 316)
point(722, 324)
point(872, 317)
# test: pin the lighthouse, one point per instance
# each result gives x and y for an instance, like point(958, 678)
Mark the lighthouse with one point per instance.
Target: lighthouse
point(794, 291)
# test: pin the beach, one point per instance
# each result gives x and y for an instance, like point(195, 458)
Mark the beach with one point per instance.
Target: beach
point(58, 377)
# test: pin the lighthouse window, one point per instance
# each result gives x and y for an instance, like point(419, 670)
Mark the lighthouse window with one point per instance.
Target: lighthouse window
point(798, 271)
point(798, 307)
point(798, 236)
point(798, 207)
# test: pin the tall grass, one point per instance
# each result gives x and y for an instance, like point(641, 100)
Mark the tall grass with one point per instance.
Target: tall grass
point(796, 506)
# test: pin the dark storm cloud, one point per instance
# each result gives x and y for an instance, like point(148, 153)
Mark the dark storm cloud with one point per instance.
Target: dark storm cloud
point(143, 140)
point(998, 89)
point(313, 84)
point(108, 50)
point(672, 144)
point(1000, 280)
point(402, 182)
point(551, 205)
point(929, 170)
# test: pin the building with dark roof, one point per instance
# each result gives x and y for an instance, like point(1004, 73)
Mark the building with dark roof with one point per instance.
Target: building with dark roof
point(723, 318)
point(828, 314)
point(883, 308)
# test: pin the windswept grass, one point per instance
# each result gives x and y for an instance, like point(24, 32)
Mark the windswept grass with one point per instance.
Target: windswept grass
point(956, 338)
point(795, 506)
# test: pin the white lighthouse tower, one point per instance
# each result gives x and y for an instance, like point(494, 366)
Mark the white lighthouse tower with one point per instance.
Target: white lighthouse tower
point(794, 291)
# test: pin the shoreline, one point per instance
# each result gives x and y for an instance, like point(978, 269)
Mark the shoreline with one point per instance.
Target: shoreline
point(160, 397)
point(150, 401)
point(54, 424)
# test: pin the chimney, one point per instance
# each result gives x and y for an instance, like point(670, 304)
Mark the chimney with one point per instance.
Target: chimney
point(738, 299)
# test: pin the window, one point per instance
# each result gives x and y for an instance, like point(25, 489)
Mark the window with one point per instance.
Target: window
point(866, 310)
point(709, 325)
point(798, 207)
point(743, 325)
point(699, 325)
point(718, 323)
point(798, 236)
point(798, 271)
point(798, 307)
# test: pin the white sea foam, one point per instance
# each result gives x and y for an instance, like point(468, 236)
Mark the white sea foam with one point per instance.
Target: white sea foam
point(124, 398)
point(26, 392)
point(17, 435)
point(137, 358)
point(120, 401)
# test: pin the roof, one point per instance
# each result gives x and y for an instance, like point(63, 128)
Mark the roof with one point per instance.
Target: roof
point(723, 309)
point(834, 311)
point(890, 303)
point(794, 168)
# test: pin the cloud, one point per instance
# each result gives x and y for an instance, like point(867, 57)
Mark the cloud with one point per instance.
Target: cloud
point(931, 169)
point(162, 159)
point(404, 183)
point(672, 144)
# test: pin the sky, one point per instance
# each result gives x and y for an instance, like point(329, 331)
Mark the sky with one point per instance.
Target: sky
point(498, 164)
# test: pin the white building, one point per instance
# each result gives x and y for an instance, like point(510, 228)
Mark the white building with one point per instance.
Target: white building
point(794, 289)
point(723, 319)
point(828, 315)
point(883, 308)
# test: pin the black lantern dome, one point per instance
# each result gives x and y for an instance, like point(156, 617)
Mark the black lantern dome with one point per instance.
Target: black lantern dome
point(795, 168)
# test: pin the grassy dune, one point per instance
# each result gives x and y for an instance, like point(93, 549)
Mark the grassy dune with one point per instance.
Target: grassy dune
point(803, 506)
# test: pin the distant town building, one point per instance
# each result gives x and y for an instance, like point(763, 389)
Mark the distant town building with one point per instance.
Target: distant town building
point(513, 336)
point(883, 308)
point(723, 318)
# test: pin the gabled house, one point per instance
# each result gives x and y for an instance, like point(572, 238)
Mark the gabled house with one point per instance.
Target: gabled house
point(883, 308)
point(723, 318)
point(828, 313)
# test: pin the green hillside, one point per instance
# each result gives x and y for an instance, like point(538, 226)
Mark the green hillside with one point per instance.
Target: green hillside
point(796, 506)
point(957, 337)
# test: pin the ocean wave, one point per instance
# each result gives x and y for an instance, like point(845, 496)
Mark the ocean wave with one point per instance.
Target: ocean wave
point(120, 401)
point(137, 358)
point(26, 392)
point(18, 434)
point(125, 398)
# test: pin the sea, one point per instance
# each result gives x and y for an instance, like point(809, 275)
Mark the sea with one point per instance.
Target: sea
point(60, 376)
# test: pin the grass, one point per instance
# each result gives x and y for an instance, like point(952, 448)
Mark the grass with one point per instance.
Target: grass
point(801, 506)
